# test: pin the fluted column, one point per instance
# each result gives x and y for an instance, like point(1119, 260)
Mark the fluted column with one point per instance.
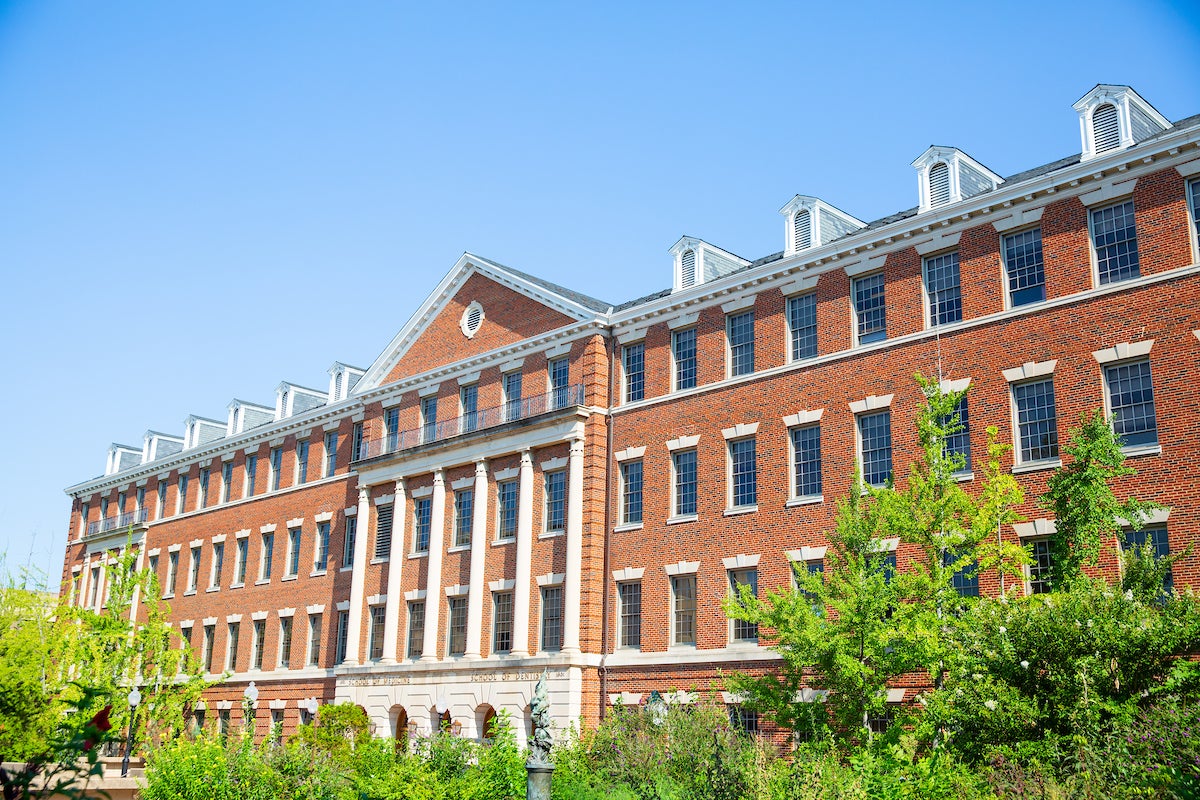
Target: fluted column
point(520, 639)
point(479, 545)
point(433, 579)
point(358, 577)
point(572, 588)
point(395, 568)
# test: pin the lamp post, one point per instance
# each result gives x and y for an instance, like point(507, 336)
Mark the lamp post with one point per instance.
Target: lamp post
point(135, 698)
point(250, 698)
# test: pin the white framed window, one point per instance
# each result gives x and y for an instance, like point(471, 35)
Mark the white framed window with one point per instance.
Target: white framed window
point(456, 625)
point(429, 418)
point(159, 512)
point(959, 442)
point(242, 549)
point(468, 401)
point(943, 288)
point(251, 476)
point(683, 483)
point(1114, 243)
point(805, 446)
point(285, 642)
point(559, 371)
point(464, 513)
point(1193, 194)
point(416, 629)
point(275, 468)
point(314, 640)
point(1155, 536)
point(1036, 421)
point(181, 496)
point(631, 492)
point(743, 473)
point(502, 623)
point(349, 535)
point(1024, 267)
point(383, 531)
point(375, 640)
point(202, 495)
point(552, 618)
point(321, 552)
point(293, 553)
point(218, 564)
point(267, 557)
point(629, 609)
point(422, 524)
point(683, 351)
point(870, 308)
point(633, 362)
point(683, 610)
point(802, 326)
point(226, 481)
point(343, 632)
point(506, 509)
point(741, 630)
point(331, 444)
point(172, 576)
point(194, 570)
point(875, 446)
point(512, 395)
point(739, 339)
point(301, 462)
point(233, 637)
point(1037, 571)
point(1129, 396)
point(555, 516)
point(210, 634)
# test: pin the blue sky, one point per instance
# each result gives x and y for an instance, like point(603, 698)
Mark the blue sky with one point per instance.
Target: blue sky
point(200, 200)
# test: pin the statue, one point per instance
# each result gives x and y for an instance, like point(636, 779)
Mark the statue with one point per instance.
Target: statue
point(539, 747)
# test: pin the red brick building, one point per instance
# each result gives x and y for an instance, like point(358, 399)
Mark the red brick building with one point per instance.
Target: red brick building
point(530, 479)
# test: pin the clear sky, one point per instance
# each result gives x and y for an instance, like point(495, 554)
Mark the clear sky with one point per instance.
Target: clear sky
point(199, 200)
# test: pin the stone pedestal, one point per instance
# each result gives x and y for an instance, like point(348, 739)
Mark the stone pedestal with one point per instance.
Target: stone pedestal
point(537, 782)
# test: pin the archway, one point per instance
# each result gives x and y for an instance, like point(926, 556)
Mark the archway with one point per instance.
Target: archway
point(485, 716)
point(400, 728)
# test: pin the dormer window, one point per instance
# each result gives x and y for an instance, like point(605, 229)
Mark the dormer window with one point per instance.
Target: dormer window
point(1113, 117)
point(811, 223)
point(343, 377)
point(947, 175)
point(697, 261)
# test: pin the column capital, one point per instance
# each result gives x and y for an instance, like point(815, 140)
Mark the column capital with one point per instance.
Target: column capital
point(439, 476)
point(577, 445)
point(527, 456)
point(364, 493)
point(481, 468)
point(400, 485)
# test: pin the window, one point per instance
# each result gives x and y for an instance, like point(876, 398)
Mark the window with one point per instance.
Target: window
point(1156, 538)
point(356, 442)
point(314, 640)
point(378, 618)
point(343, 630)
point(391, 429)
point(943, 288)
point(630, 604)
point(293, 555)
point(464, 510)
point(194, 570)
point(683, 462)
point(457, 626)
point(383, 531)
point(422, 514)
point(1026, 272)
point(218, 564)
point(429, 418)
point(502, 622)
point(468, 398)
point(153, 566)
point(258, 643)
point(139, 504)
point(683, 347)
point(739, 331)
point(870, 309)
point(202, 499)
point(552, 617)
point(506, 496)
point(276, 725)
point(512, 396)
point(1039, 568)
point(95, 584)
point(1037, 428)
point(350, 534)
point(802, 325)
point(687, 269)
point(875, 441)
point(743, 720)
point(959, 442)
point(251, 475)
point(181, 498)
point(1131, 402)
point(275, 467)
point(210, 633)
point(556, 501)
point(966, 580)
point(559, 370)
point(239, 570)
point(683, 595)
point(1106, 128)
point(633, 357)
point(172, 575)
point(231, 652)
point(268, 556)
point(939, 184)
point(226, 481)
point(806, 461)
point(185, 646)
point(160, 512)
point(223, 722)
point(744, 631)
point(416, 629)
point(285, 642)
point(321, 560)
point(301, 462)
point(331, 440)
point(1194, 194)
point(1115, 238)
point(631, 493)
point(743, 473)
point(802, 230)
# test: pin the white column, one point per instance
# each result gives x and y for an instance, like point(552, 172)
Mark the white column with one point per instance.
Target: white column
point(479, 545)
point(395, 566)
point(137, 587)
point(84, 582)
point(433, 577)
point(524, 566)
point(572, 587)
point(358, 577)
point(100, 582)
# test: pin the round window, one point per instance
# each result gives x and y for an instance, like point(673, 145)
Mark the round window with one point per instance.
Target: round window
point(472, 318)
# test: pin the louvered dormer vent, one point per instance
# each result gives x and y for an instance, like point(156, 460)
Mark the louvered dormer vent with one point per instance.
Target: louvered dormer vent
point(1113, 117)
point(947, 175)
point(811, 222)
point(697, 261)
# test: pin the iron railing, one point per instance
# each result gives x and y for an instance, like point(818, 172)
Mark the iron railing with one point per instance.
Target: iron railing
point(119, 522)
point(512, 411)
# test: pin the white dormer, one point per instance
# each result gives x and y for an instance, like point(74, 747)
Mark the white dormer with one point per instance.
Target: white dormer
point(697, 261)
point(946, 175)
point(201, 430)
point(243, 416)
point(291, 399)
point(1113, 117)
point(121, 457)
point(342, 378)
point(157, 445)
point(811, 223)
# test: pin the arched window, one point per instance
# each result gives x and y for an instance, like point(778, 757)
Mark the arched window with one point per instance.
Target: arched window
point(802, 229)
point(1106, 128)
point(939, 184)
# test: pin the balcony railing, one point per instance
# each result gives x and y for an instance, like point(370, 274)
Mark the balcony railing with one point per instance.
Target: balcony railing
point(512, 411)
point(117, 523)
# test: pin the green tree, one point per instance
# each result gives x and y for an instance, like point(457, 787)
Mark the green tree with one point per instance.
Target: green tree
point(1079, 493)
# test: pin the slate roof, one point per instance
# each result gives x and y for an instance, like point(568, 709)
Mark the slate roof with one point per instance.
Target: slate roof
point(579, 297)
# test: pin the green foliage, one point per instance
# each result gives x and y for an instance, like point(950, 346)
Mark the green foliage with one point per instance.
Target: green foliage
point(1086, 509)
point(338, 731)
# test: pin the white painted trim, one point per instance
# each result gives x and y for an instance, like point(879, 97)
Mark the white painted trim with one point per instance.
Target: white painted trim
point(554, 464)
point(688, 442)
point(343, 605)
point(948, 386)
point(884, 545)
point(414, 594)
point(944, 241)
point(218, 539)
point(1158, 516)
point(209, 621)
point(625, 698)
point(463, 483)
point(428, 390)
point(628, 574)
point(376, 599)
point(233, 618)
point(806, 554)
point(352, 511)
point(286, 612)
point(1018, 219)
point(741, 561)
point(1122, 351)
point(741, 430)
point(803, 418)
point(316, 608)
point(740, 304)
point(800, 285)
point(551, 579)
point(871, 403)
point(503, 585)
point(196, 543)
point(1035, 528)
point(558, 351)
point(268, 528)
point(1030, 369)
point(298, 522)
point(625, 455)
point(682, 568)
point(895, 696)
point(421, 492)
point(457, 590)
point(506, 474)
point(680, 321)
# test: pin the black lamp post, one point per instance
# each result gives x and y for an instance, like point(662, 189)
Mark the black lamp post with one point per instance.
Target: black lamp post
point(135, 698)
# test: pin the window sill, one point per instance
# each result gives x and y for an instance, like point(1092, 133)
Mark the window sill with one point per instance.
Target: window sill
point(629, 526)
point(213, 589)
point(1034, 466)
point(737, 510)
point(502, 542)
point(422, 554)
point(682, 518)
point(238, 585)
point(964, 477)
point(317, 573)
point(288, 578)
point(459, 548)
point(807, 500)
point(189, 593)
point(1138, 450)
point(262, 581)
point(551, 534)
point(744, 644)
point(378, 560)
point(168, 596)
point(347, 568)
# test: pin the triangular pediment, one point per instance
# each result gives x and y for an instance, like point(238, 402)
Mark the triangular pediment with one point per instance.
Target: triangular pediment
point(479, 307)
